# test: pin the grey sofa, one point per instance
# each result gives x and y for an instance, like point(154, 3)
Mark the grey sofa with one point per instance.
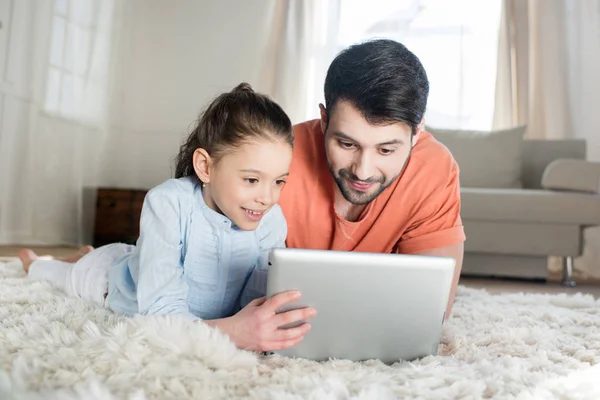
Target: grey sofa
point(511, 231)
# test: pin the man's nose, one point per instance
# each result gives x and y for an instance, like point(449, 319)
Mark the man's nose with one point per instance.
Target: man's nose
point(363, 166)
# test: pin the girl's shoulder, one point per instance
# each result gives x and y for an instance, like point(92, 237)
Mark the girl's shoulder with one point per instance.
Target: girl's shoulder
point(174, 191)
point(176, 187)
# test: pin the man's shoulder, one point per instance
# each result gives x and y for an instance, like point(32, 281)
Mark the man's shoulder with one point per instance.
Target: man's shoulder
point(308, 167)
point(433, 158)
point(308, 143)
point(308, 133)
point(308, 129)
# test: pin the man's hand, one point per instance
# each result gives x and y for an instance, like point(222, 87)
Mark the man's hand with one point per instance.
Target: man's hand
point(257, 327)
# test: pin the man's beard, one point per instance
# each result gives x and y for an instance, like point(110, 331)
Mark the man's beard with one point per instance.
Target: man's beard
point(354, 196)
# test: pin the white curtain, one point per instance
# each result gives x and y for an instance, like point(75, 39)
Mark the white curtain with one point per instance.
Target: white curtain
point(533, 61)
point(300, 47)
point(583, 56)
point(55, 117)
point(455, 41)
point(548, 60)
point(548, 78)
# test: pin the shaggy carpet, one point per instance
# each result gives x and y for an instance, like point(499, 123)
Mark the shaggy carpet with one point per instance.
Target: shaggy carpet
point(509, 346)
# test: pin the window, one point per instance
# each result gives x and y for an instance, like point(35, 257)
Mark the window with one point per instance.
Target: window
point(77, 65)
point(456, 42)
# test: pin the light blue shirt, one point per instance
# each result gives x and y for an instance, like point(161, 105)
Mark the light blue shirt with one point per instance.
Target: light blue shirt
point(191, 260)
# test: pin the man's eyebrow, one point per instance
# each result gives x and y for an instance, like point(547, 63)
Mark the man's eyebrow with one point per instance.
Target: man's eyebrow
point(395, 141)
point(342, 135)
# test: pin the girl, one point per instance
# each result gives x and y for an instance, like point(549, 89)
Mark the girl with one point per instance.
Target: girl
point(205, 235)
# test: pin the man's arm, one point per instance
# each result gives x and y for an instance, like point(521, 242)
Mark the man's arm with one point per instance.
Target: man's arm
point(455, 251)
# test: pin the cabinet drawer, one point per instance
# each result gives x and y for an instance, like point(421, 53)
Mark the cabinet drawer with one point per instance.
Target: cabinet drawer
point(117, 215)
point(114, 201)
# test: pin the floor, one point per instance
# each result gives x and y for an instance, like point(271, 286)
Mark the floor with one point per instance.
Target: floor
point(492, 285)
point(497, 285)
point(13, 251)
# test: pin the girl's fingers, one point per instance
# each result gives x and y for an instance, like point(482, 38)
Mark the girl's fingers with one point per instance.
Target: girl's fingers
point(291, 333)
point(258, 302)
point(293, 316)
point(284, 344)
point(272, 304)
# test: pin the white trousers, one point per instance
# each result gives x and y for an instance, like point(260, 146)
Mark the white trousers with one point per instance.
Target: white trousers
point(87, 278)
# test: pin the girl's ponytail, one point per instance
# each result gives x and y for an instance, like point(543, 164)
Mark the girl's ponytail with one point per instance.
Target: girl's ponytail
point(232, 119)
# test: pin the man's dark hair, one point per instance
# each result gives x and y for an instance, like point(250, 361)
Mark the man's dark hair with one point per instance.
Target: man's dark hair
point(382, 79)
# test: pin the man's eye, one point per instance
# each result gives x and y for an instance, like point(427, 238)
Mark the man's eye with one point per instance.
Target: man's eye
point(345, 145)
point(386, 152)
point(251, 180)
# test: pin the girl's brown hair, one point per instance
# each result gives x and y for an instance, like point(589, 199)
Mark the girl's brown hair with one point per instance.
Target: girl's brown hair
point(231, 120)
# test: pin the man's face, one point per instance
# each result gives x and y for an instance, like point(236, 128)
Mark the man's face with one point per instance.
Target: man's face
point(363, 158)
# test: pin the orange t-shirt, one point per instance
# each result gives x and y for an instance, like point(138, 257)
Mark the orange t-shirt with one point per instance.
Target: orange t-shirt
point(420, 211)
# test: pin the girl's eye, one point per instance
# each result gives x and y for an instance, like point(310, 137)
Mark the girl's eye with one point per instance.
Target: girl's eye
point(251, 181)
point(345, 145)
point(280, 182)
point(386, 152)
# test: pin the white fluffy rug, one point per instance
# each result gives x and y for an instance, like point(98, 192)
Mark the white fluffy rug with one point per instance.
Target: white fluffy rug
point(495, 346)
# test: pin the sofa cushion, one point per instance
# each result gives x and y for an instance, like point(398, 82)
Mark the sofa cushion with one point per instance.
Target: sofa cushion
point(485, 159)
point(530, 205)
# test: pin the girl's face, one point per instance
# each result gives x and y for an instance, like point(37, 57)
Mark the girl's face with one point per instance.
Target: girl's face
point(247, 182)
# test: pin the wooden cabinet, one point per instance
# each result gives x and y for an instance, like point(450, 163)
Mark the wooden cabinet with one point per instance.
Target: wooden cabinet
point(118, 215)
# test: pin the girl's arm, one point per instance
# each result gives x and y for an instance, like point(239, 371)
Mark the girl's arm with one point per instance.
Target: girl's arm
point(257, 325)
point(161, 285)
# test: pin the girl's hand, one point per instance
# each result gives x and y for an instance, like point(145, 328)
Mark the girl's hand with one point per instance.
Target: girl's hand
point(257, 327)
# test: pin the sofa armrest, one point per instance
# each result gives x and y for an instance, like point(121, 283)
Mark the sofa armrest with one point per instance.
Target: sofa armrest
point(571, 174)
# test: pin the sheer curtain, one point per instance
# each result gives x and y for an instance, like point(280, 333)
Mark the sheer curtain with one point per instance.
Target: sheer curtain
point(301, 44)
point(456, 42)
point(548, 69)
point(534, 67)
point(52, 148)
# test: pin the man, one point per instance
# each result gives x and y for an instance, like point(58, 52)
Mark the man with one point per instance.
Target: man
point(366, 177)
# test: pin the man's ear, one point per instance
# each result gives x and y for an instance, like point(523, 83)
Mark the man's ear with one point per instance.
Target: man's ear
point(418, 131)
point(323, 117)
point(202, 163)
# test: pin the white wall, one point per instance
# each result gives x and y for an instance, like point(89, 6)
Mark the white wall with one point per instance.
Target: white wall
point(176, 56)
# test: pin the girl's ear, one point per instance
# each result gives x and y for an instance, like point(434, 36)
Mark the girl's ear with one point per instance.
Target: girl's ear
point(202, 163)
